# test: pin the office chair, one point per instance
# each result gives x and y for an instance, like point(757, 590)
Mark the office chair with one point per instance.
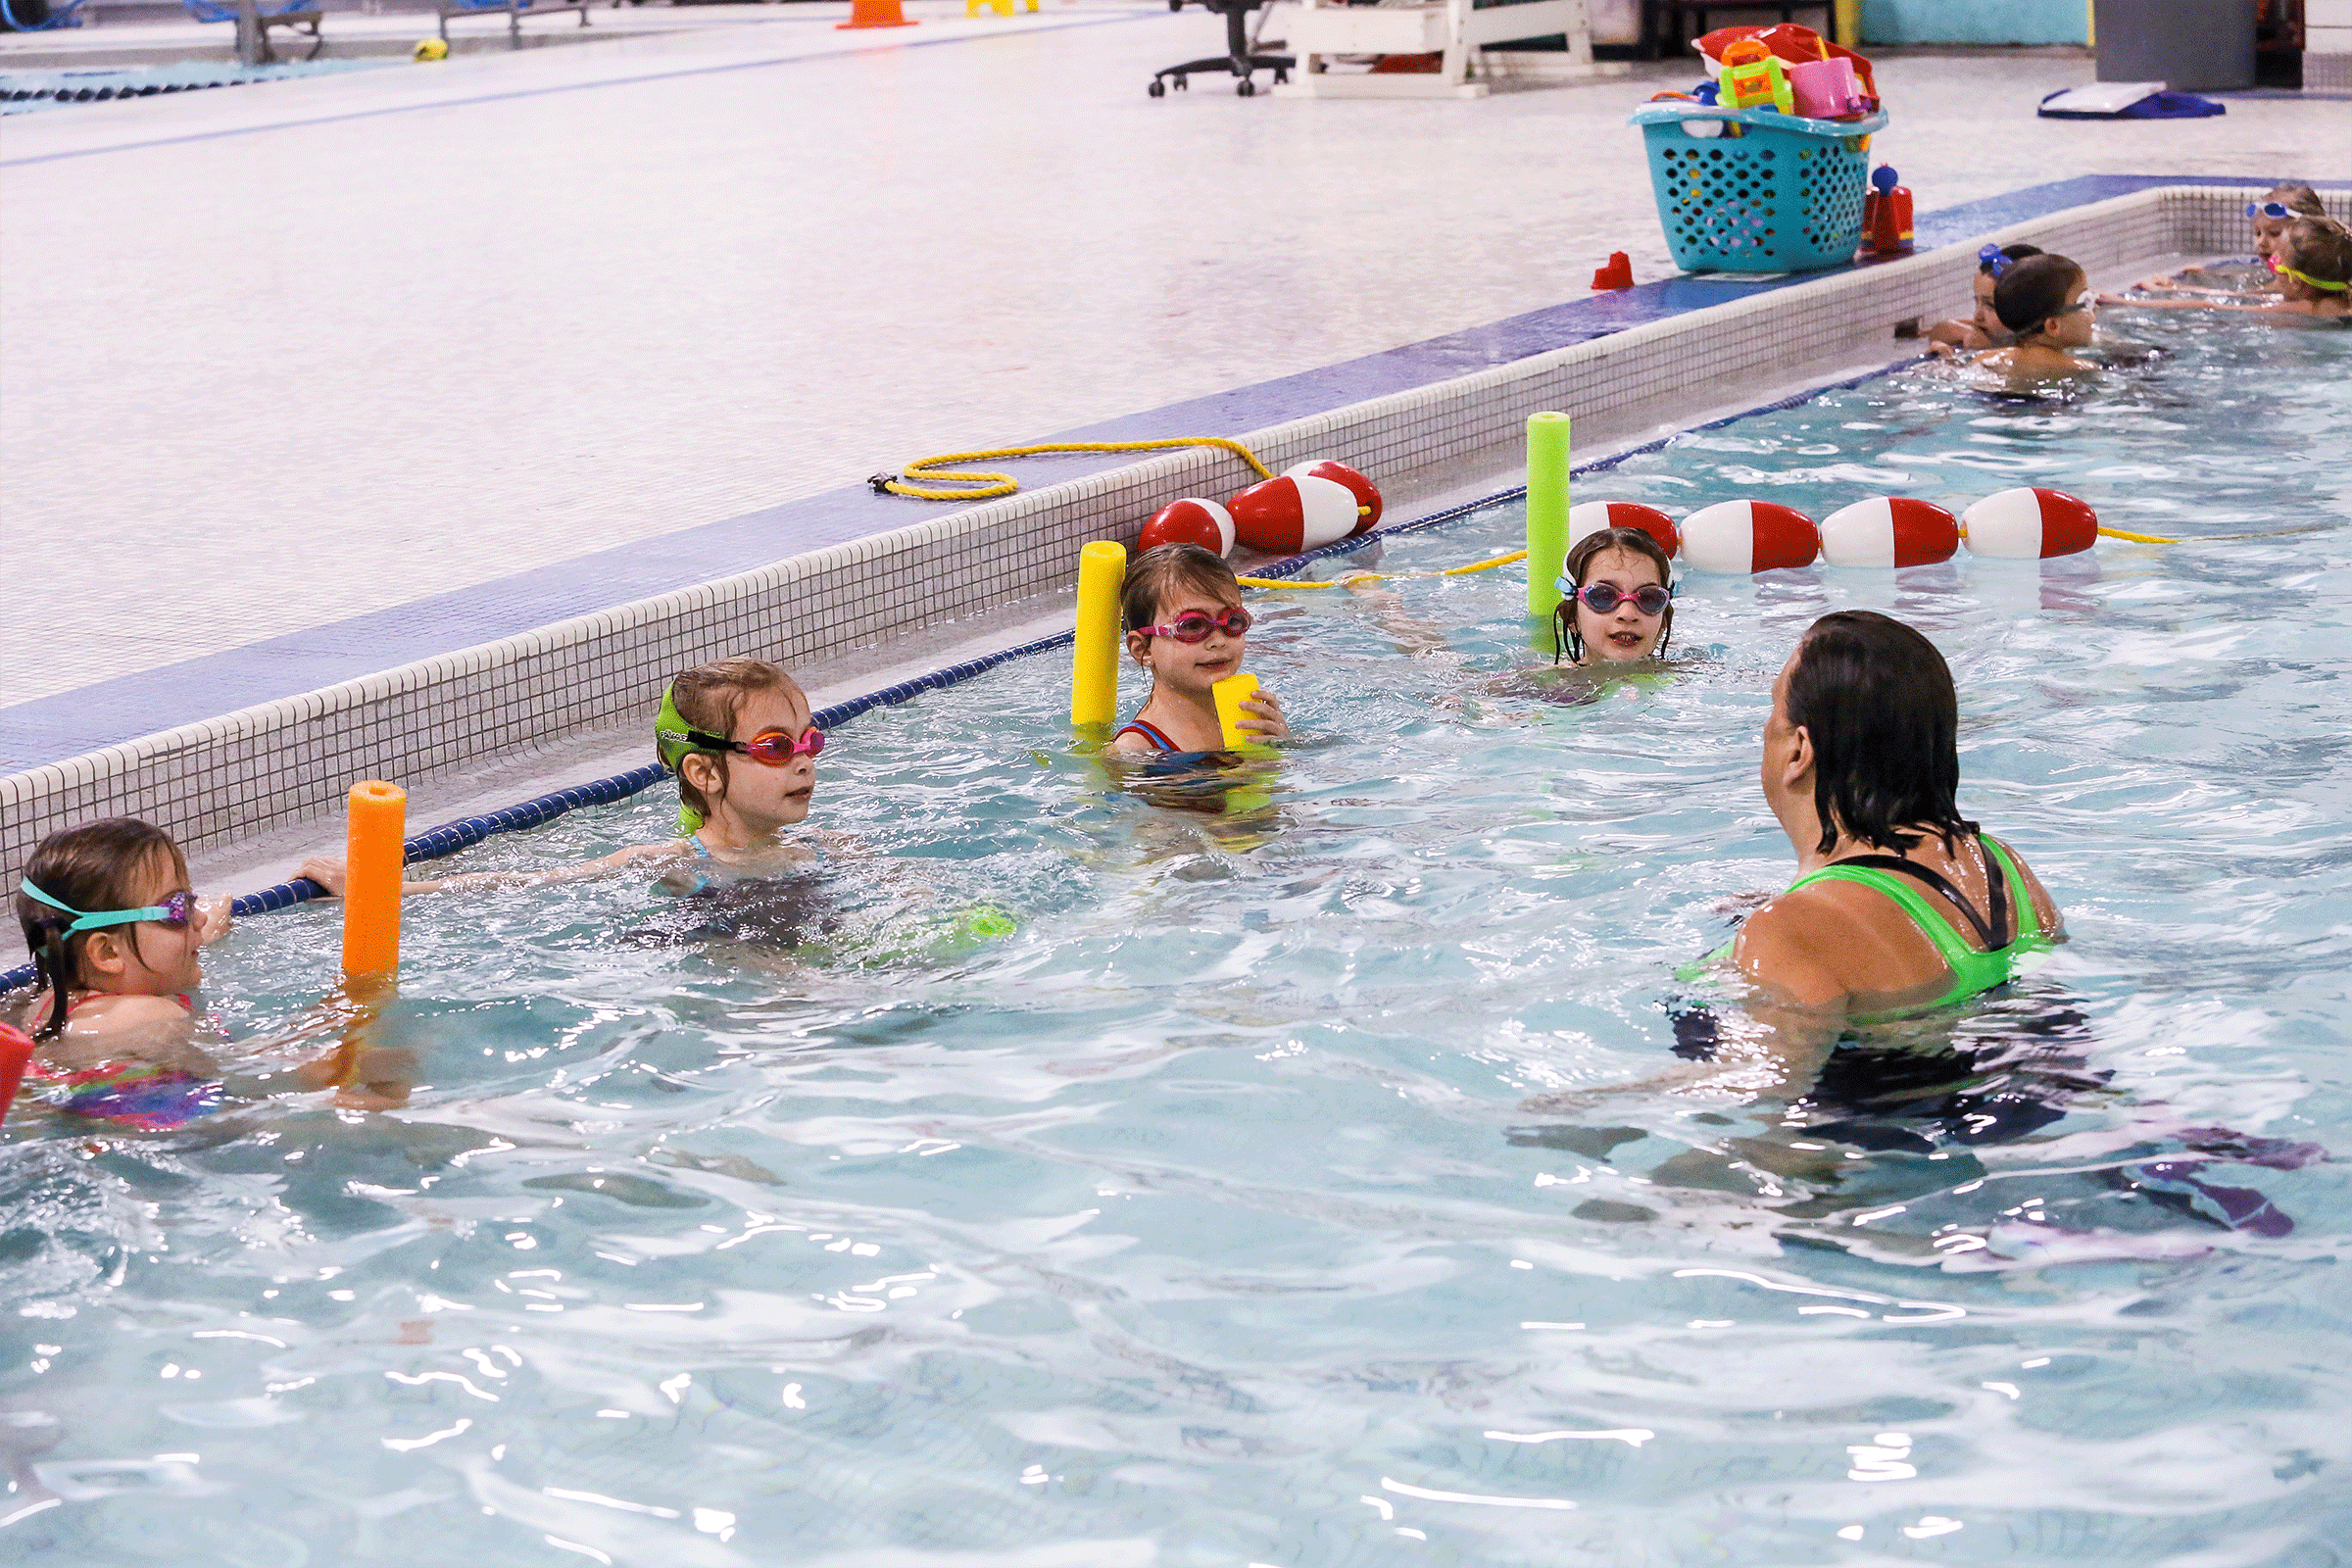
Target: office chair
point(1237, 59)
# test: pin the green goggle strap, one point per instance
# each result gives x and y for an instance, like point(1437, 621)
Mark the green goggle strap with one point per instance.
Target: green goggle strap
point(88, 922)
point(673, 743)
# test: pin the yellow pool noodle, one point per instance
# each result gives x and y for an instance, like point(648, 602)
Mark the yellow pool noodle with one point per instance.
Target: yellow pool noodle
point(1231, 693)
point(372, 893)
point(1094, 666)
point(1548, 460)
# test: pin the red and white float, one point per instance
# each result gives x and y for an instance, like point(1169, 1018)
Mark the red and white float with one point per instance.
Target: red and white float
point(1748, 537)
point(1193, 520)
point(1296, 511)
point(1592, 516)
point(1367, 494)
point(2024, 524)
point(1889, 531)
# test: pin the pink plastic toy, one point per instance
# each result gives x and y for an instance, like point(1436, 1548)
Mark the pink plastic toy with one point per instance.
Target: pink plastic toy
point(1826, 89)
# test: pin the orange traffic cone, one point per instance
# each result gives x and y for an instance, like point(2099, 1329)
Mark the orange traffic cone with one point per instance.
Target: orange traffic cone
point(874, 14)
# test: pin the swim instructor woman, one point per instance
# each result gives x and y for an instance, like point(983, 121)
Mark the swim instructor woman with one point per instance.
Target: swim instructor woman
point(1900, 903)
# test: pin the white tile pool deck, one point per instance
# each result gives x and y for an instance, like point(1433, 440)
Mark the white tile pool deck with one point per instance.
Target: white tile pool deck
point(272, 356)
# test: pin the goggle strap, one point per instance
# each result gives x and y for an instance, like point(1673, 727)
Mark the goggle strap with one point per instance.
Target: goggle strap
point(91, 920)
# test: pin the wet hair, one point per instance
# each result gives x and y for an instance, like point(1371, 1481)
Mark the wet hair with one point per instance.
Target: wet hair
point(1877, 700)
point(2320, 247)
point(1156, 573)
point(1565, 638)
point(94, 867)
point(2035, 290)
point(2296, 197)
point(710, 698)
point(2012, 253)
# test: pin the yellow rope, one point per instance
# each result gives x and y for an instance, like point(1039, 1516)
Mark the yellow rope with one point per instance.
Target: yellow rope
point(984, 485)
point(1378, 577)
point(2136, 538)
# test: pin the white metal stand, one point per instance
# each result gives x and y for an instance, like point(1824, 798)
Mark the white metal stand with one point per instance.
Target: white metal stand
point(1452, 30)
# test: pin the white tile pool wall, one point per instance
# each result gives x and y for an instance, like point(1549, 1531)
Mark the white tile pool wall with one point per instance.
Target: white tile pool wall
point(440, 718)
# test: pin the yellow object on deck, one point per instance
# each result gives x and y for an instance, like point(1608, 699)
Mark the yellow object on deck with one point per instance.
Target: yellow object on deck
point(372, 893)
point(986, 486)
point(1094, 667)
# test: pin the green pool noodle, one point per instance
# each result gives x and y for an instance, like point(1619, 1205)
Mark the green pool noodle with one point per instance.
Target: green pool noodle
point(1547, 510)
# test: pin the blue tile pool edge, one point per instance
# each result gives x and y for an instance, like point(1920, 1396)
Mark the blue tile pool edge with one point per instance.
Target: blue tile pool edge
point(66, 724)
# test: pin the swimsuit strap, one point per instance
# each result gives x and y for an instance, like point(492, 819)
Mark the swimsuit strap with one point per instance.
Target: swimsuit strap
point(186, 1003)
point(701, 851)
point(1989, 931)
point(1150, 732)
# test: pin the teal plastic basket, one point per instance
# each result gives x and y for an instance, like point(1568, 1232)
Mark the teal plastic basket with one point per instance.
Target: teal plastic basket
point(1770, 193)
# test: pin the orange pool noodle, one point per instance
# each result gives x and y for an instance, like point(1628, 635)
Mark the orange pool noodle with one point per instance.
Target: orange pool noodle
point(371, 893)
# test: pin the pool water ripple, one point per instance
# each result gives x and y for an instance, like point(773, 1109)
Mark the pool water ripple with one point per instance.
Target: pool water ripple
point(1201, 1221)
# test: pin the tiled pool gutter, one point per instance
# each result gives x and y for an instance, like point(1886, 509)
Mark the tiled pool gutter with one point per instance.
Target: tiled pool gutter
point(538, 659)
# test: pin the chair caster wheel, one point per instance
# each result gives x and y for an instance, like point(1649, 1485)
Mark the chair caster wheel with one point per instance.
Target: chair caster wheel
point(1157, 89)
point(1246, 88)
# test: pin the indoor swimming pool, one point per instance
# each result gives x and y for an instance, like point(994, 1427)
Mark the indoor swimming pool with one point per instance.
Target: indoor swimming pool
point(1200, 1220)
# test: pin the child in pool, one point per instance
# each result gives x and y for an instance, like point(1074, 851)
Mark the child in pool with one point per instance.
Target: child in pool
point(2045, 300)
point(1186, 626)
point(1981, 328)
point(738, 736)
point(2315, 279)
point(1618, 604)
point(2279, 208)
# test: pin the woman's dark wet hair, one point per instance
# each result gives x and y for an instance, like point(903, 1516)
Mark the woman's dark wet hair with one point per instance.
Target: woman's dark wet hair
point(94, 867)
point(2035, 290)
point(1877, 700)
point(1565, 638)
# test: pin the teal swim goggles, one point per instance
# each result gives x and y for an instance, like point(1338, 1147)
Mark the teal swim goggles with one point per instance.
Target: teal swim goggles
point(177, 910)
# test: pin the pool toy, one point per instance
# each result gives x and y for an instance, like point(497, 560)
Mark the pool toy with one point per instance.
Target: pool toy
point(1231, 693)
point(1889, 531)
point(1094, 667)
point(1826, 90)
point(16, 1049)
point(2027, 525)
point(1367, 494)
point(1547, 457)
point(1594, 515)
point(1193, 521)
point(921, 477)
point(1886, 214)
point(1749, 536)
point(1618, 273)
point(1752, 76)
point(1296, 511)
point(373, 856)
point(429, 49)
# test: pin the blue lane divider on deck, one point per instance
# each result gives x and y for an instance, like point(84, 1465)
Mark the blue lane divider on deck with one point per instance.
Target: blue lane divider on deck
point(450, 837)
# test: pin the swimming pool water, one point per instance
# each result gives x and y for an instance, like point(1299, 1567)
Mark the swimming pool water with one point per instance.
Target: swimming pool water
point(1198, 1221)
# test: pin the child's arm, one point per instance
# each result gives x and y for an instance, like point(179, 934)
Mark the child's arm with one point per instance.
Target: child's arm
point(1956, 337)
point(330, 872)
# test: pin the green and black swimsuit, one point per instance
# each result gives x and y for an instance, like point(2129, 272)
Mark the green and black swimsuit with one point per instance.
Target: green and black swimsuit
point(2005, 935)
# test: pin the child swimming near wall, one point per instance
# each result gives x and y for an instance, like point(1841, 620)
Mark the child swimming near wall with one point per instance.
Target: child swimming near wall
point(1186, 626)
point(2314, 264)
point(117, 935)
point(1981, 327)
point(2047, 302)
point(737, 734)
point(2281, 207)
point(1617, 600)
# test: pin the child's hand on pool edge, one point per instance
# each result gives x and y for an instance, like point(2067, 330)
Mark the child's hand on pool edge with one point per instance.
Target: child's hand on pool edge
point(328, 871)
point(1265, 720)
point(212, 920)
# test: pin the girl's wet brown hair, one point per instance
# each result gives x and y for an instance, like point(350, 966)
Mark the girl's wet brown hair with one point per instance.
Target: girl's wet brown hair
point(1566, 639)
point(94, 867)
point(2318, 247)
point(710, 698)
point(1155, 574)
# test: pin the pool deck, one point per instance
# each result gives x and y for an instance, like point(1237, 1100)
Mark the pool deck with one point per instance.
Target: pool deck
point(304, 380)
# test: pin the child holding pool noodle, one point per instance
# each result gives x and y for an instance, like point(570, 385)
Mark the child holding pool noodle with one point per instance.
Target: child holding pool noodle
point(1186, 626)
